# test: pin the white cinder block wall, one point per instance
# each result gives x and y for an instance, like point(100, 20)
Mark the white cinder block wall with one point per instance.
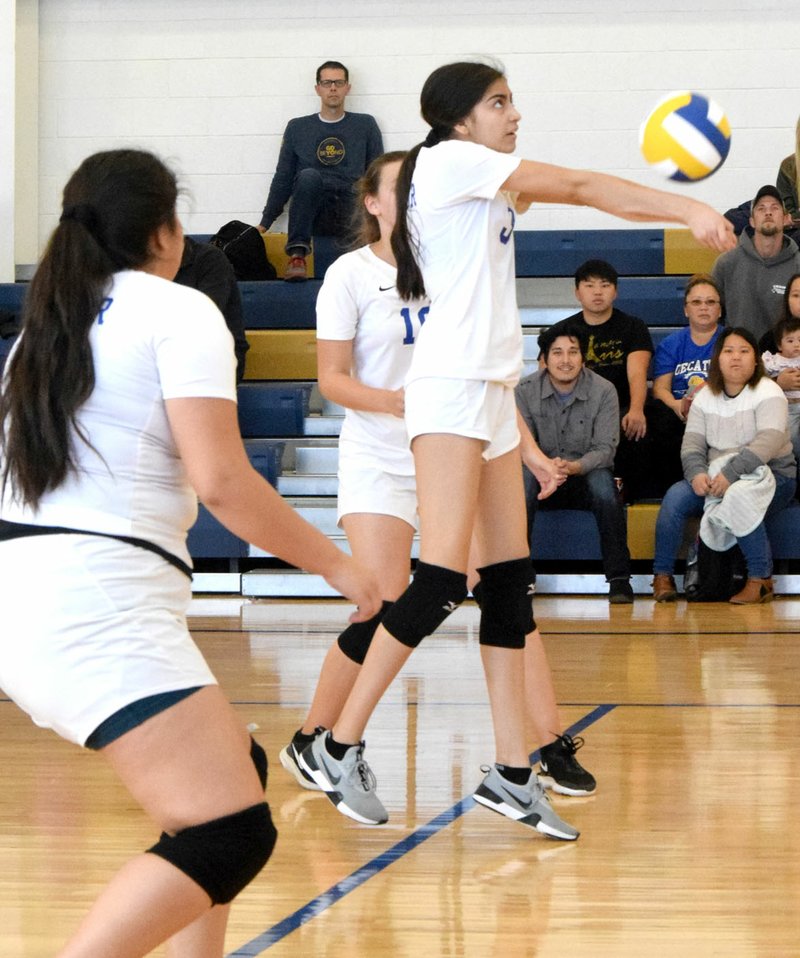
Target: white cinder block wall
point(210, 84)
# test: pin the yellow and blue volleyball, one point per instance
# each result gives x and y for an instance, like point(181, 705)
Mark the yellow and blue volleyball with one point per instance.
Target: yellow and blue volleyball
point(686, 137)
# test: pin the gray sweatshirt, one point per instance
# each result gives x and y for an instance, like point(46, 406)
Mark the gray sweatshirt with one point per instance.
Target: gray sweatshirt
point(752, 286)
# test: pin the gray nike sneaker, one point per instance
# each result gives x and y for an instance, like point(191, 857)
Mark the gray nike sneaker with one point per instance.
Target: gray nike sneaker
point(526, 804)
point(348, 783)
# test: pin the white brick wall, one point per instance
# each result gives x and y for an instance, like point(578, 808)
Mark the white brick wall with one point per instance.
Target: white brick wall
point(210, 84)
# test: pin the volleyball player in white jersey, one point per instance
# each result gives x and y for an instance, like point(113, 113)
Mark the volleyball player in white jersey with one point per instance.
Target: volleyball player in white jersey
point(365, 339)
point(118, 408)
point(453, 241)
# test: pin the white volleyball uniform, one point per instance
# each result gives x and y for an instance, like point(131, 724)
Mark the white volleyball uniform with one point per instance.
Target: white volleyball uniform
point(464, 227)
point(90, 624)
point(358, 301)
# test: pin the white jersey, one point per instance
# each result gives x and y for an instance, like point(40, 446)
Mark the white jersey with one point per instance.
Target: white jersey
point(358, 301)
point(464, 227)
point(153, 340)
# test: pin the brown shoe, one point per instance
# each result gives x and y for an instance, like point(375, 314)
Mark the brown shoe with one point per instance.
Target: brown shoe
point(754, 592)
point(664, 588)
point(296, 270)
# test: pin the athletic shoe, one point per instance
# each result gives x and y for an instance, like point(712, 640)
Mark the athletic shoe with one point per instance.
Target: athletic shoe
point(620, 592)
point(296, 270)
point(348, 783)
point(561, 771)
point(526, 804)
point(290, 759)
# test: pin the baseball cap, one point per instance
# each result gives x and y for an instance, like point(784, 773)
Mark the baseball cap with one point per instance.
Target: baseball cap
point(767, 190)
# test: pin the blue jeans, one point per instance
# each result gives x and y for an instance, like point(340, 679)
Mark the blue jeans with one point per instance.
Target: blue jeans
point(320, 205)
point(681, 502)
point(597, 493)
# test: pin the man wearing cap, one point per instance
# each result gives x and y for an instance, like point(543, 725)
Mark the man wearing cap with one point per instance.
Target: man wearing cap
point(753, 276)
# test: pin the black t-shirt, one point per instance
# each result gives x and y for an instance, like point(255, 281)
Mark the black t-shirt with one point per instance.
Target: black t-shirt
point(609, 345)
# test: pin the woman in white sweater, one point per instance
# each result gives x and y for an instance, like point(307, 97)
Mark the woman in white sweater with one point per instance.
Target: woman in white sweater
point(736, 451)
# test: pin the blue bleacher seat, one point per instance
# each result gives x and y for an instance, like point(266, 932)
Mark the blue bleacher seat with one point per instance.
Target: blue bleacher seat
point(783, 530)
point(658, 300)
point(11, 300)
point(279, 305)
point(272, 409)
point(265, 456)
point(12, 296)
point(633, 252)
point(208, 538)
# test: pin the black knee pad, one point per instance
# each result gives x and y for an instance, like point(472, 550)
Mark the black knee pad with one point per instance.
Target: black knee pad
point(434, 593)
point(259, 757)
point(506, 603)
point(223, 856)
point(356, 638)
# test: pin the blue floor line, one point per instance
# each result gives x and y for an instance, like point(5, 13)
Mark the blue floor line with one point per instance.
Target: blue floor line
point(353, 881)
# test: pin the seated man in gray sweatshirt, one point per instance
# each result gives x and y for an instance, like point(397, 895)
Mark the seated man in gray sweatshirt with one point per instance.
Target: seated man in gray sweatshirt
point(573, 413)
point(321, 157)
point(753, 276)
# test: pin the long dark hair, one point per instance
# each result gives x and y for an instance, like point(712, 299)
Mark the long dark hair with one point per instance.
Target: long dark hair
point(112, 205)
point(715, 381)
point(449, 95)
point(364, 226)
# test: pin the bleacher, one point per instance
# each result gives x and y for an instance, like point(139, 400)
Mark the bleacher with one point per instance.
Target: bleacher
point(291, 433)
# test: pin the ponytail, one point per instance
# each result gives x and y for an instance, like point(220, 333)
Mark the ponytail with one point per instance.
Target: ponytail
point(113, 204)
point(410, 284)
point(448, 96)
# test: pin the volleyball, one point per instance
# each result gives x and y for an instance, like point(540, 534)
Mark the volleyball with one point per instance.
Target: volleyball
point(686, 137)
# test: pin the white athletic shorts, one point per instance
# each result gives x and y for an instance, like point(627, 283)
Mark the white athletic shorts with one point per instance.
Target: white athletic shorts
point(368, 485)
point(89, 625)
point(464, 407)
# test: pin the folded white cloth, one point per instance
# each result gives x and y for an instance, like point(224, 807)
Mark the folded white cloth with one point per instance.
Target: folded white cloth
point(740, 509)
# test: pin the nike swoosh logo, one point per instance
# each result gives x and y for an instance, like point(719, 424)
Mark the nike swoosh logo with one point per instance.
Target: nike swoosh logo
point(518, 800)
point(384, 289)
point(334, 779)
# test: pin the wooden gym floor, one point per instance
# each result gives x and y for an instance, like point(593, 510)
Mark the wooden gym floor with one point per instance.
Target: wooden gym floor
point(690, 846)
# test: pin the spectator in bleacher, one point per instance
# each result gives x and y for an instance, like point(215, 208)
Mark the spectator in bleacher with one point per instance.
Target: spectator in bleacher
point(738, 468)
point(118, 408)
point(680, 368)
point(619, 348)
point(321, 157)
point(753, 277)
point(573, 415)
point(207, 268)
point(365, 339)
point(787, 181)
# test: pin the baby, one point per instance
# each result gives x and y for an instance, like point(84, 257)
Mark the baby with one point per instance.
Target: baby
point(787, 336)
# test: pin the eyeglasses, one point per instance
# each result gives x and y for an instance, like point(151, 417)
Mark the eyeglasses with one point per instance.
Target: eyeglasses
point(329, 83)
point(702, 302)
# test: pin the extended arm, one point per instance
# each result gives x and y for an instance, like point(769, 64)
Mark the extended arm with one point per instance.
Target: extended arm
point(207, 436)
point(630, 201)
